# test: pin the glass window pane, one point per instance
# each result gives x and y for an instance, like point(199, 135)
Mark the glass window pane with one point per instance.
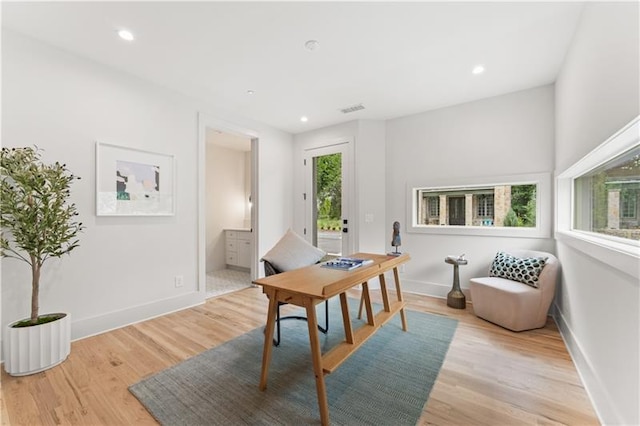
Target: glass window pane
point(328, 202)
point(496, 206)
point(606, 198)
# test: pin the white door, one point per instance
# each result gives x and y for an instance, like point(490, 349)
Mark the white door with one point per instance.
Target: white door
point(328, 199)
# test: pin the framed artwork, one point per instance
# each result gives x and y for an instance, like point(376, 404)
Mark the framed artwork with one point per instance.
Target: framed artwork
point(134, 182)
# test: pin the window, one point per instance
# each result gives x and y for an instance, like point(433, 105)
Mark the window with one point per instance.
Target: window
point(504, 206)
point(485, 205)
point(629, 204)
point(434, 206)
point(499, 205)
point(598, 201)
point(605, 197)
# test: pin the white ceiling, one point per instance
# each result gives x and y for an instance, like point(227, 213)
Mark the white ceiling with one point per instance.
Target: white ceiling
point(394, 58)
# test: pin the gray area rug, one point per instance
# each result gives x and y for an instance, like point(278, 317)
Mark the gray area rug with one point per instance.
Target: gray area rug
point(386, 382)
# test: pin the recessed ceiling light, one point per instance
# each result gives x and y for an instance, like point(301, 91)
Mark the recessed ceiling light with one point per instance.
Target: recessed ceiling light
point(126, 35)
point(250, 92)
point(478, 69)
point(311, 45)
point(304, 119)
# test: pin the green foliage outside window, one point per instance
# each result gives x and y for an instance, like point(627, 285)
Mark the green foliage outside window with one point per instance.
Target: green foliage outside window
point(599, 199)
point(523, 205)
point(329, 191)
point(511, 219)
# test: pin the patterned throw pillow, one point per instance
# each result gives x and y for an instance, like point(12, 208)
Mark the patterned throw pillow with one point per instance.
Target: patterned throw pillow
point(524, 270)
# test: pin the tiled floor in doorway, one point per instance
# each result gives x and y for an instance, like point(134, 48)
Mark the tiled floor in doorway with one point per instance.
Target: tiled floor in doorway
point(225, 281)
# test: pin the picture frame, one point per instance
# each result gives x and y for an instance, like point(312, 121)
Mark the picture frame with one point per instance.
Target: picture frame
point(134, 182)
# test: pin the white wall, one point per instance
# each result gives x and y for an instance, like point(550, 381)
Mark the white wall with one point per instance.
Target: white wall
point(374, 231)
point(274, 192)
point(227, 202)
point(124, 269)
point(598, 306)
point(504, 135)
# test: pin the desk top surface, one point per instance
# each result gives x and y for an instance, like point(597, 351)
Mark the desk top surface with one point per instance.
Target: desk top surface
point(323, 283)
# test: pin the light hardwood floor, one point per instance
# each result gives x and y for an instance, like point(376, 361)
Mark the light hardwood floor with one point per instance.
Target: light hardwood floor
point(490, 376)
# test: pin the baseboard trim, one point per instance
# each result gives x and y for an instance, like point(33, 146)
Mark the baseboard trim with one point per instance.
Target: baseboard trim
point(600, 399)
point(429, 289)
point(87, 327)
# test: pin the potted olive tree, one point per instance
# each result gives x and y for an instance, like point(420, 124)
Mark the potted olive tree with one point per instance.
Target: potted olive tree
point(38, 223)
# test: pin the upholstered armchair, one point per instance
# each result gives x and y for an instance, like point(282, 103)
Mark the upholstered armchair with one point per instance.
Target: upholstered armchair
point(519, 290)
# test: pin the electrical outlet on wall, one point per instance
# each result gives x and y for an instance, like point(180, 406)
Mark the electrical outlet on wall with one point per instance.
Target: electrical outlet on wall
point(178, 280)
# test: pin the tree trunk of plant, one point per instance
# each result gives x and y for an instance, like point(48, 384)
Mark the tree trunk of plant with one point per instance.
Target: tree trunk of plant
point(35, 289)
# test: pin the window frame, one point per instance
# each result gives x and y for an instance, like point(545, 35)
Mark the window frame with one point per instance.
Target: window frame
point(622, 254)
point(543, 206)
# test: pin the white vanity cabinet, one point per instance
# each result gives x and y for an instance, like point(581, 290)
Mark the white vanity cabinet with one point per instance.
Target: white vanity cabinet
point(238, 248)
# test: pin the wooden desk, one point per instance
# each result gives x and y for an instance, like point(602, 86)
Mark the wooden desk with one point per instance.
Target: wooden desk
point(309, 286)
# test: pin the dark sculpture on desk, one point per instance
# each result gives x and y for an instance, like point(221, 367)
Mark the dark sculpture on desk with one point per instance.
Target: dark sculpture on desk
point(395, 239)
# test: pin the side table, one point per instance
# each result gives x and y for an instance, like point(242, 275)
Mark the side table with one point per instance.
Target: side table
point(456, 298)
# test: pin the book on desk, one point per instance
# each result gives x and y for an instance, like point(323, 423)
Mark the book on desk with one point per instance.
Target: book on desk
point(347, 263)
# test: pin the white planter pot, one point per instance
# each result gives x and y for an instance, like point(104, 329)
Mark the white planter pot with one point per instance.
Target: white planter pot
point(29, 350)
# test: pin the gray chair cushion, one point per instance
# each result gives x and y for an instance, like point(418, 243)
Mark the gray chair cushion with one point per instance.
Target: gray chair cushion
point(292, 252)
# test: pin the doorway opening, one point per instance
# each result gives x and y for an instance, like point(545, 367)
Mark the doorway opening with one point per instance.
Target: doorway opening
point(228, 178)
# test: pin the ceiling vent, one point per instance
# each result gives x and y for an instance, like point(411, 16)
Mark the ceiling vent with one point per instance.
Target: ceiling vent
point(352, 108)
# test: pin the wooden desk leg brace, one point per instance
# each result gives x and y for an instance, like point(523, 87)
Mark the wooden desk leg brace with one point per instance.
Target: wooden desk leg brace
point(365, 299)
point(399, 291)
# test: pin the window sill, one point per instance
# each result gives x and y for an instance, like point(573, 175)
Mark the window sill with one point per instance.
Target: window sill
point(480, 231)
point(623, 257)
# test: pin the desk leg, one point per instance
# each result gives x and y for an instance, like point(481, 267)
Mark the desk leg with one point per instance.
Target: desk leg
point(268, 338)
point(367, 303)
point(316, 354)
point(383, 290)
point(361, 300)
point(399, 291)
point(346, 319)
